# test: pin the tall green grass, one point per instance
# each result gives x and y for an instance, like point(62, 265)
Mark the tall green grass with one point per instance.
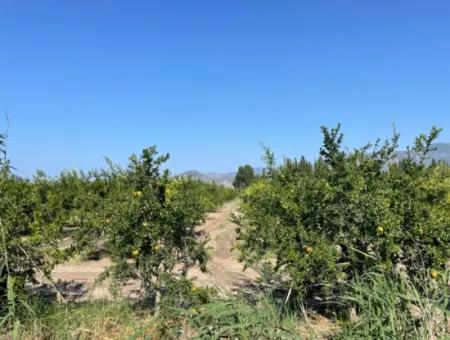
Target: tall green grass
point(233, 318)
point(393, 307)
point(237, 319)
point(89, 320)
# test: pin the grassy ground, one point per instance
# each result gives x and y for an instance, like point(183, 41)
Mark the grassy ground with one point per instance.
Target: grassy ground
point(383, 308)
point(222, 318)
point(87, 320)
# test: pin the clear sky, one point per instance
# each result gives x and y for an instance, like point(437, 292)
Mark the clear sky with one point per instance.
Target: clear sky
point(209, 81)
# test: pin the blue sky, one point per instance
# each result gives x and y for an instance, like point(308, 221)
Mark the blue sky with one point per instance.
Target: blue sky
point(209, 81)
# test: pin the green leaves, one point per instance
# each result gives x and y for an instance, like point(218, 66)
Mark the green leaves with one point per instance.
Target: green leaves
point(140, 216)
point(244, 177)
point(152, 222)
point(374, 210)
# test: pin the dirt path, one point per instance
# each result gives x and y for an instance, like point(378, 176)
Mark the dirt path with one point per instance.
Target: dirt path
point(224, 271)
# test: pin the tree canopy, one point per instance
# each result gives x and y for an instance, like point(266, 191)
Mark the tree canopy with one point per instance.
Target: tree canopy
point(244, 177)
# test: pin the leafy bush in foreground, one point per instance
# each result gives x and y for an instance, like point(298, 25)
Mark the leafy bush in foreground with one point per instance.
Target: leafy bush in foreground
point(151, 233)
point(323, 224)
point(27, 238)
point(146, 218)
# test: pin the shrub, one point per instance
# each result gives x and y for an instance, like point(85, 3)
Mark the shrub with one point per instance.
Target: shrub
point(28, 242)
point(325, 223)
point(153, 220)
point(211, 195)
point(73, 203)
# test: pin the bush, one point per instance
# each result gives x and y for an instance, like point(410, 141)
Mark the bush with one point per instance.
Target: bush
point(323, 224)
point(211, 195)
point(152, 225)
point(28, 241)
point(74, 203)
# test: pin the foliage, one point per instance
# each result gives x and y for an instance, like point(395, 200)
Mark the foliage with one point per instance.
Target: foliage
point(74, 203)
point(244, 177)
point(323, 224)
point(151, 234)
point(45, 220)
point(211, 195)
point(369, 231)
point(28, 239)
point(146, 218)
point(392, 306)
point(42, 221)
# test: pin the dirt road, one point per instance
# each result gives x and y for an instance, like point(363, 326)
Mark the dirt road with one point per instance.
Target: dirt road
point(224, 271)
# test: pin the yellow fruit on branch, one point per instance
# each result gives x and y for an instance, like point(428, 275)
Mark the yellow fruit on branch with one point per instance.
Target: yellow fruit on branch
point(137, 194)
point(380, 230)
point(434, 274)
point(309, 250)
point(135, 253)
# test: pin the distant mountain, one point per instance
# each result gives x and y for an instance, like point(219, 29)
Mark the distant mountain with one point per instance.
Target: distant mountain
point(225, 179)
point(442, 153)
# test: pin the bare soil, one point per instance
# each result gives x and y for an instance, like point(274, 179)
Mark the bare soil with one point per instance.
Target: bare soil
point(224, 271)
